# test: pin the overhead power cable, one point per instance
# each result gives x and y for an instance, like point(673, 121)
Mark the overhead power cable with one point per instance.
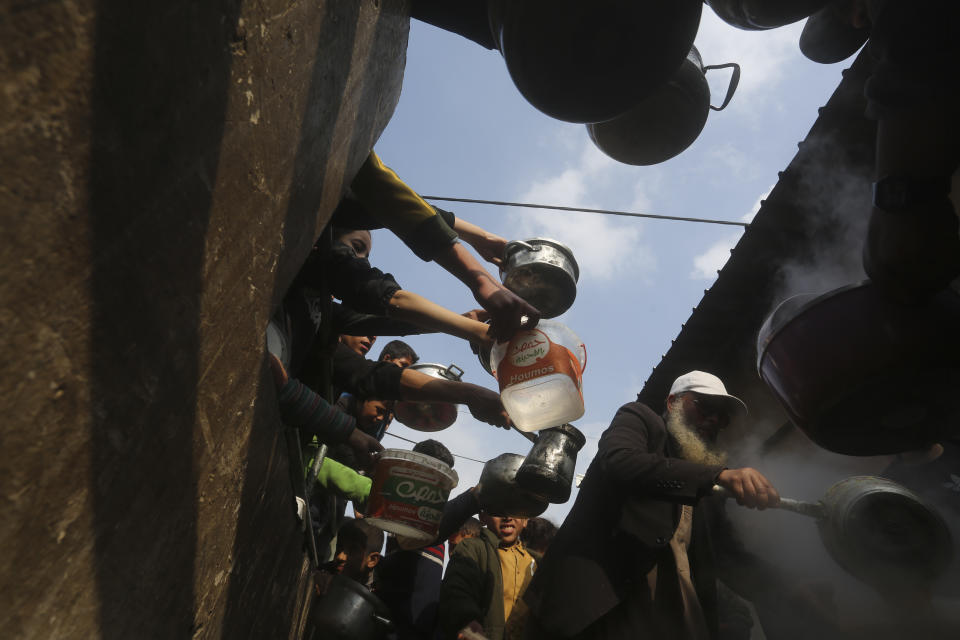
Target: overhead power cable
point(608, 212)
point(455, 455)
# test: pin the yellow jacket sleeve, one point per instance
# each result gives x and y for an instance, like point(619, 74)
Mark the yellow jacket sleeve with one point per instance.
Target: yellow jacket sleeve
point(398, 207)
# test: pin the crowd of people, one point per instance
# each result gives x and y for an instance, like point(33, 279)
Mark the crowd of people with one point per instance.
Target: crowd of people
point(635, 555)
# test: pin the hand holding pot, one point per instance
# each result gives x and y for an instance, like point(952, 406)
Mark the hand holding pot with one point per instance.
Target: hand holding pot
point(507, 310)
point(487, 407)
point(364, 447)
point(750, 487)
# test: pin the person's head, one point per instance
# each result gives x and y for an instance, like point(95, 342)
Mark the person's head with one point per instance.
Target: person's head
point(358, 549)
point(470, 529)
point(537, 534)
point(359, 240)
point(373, 415)
point(399, 353)
point(507, 528)
point(435, 449)
point(358, 344)
point(698, 409)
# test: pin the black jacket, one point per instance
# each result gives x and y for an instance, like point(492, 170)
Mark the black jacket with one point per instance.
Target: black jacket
point(626, 513)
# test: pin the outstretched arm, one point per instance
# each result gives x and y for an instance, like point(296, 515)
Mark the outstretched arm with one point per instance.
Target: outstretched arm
point(507, 310)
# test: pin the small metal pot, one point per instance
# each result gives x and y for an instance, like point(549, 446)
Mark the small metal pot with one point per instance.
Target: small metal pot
point(884, 534)
point(429, 416)
point(880, 532)
point(349, 611)
point(499, 494)
point(543, 272)
point(548, 469)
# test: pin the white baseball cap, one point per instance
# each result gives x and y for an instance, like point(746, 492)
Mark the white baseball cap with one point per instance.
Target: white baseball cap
point(709, 385)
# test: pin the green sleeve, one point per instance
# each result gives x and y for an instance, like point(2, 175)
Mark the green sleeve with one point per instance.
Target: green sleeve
point(461, 593)
point(343, 480)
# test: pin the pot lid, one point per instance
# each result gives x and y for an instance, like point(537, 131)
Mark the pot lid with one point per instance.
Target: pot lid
point(450, 372)
point(515, 245)
point(421, 459)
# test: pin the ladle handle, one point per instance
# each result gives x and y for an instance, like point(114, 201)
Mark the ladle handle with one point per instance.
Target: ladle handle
point(809, 509)
point(529, 436)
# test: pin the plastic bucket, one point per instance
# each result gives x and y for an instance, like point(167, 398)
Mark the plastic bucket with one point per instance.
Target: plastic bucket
point(408, 494)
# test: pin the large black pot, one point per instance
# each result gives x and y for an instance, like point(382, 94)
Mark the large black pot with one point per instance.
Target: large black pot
point(349, 611)
point(757, 15)
point(591, 61)
point(666, 122)
point(861, 375)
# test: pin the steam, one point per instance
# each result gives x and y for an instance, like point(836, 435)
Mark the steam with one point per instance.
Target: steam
point(834, 202)
point(791, 543)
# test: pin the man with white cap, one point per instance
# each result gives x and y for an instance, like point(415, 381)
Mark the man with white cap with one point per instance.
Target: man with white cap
point(634, 557)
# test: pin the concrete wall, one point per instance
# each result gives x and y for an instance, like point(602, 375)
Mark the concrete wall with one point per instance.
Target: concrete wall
point(165, 167)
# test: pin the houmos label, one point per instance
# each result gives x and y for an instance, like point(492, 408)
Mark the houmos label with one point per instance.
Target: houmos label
point(406, 492)
point(531, 354)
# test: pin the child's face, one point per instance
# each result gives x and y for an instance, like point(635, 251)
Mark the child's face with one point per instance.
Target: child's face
point(372, 414)
point(349, 560)
point(356, 564)
point(358, 344)
point(360, 241)
point(506, 528)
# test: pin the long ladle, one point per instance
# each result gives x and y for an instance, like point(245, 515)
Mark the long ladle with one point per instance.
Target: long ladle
point(810, 509)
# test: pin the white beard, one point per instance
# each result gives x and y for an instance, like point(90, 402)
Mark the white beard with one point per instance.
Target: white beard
point(692, 447)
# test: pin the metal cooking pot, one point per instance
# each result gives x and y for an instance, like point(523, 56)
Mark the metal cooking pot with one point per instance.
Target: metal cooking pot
point(861, 375)
point(663, 124)
point(543, 272)
point(549, 468)
point(429, 416)
point(757, 15)
point(591, 61)
point(880, 532)
point(349, 611)
point(827, 38)
point(499, 494)
point(884, 534)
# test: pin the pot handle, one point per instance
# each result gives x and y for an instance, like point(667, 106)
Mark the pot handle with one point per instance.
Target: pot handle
point(454, 372)
point(734, 82)
point(386, 623)
point(521, 243)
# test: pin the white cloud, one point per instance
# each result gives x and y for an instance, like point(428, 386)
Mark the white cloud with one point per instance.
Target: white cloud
point(604, 246)
point(707, 264)
point(748, 216)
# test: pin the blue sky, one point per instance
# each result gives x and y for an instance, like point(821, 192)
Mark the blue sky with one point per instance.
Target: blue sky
point(461, 129)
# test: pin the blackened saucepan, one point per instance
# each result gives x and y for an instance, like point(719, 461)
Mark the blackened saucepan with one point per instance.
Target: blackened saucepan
point(880, 532)
point(861, 375)
point(349, 611)
point(757, 15)
point(549, 468)
point(591, 61)
point(499, 494)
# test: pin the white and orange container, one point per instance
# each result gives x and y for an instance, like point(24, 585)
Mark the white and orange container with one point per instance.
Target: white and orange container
point(408, 494)
point(540, 373)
